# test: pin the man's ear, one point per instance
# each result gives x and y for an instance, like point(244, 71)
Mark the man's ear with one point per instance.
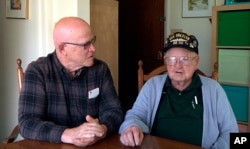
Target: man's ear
point(198, 60)
point(62, 49)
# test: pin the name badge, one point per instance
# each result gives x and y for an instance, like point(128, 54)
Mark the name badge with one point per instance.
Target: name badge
point(93, 93)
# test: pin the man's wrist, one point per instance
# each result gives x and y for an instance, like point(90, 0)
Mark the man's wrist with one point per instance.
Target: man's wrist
point(66, 136)
point(105, 130)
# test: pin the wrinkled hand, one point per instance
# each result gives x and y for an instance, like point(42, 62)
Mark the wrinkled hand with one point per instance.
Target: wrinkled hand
point(86, 134)
point(132, 136)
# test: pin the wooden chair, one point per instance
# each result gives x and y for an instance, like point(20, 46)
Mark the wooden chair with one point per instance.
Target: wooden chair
point(142, 78)
point(12, 137)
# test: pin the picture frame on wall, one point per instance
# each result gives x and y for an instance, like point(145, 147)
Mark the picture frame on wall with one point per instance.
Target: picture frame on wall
point(197, 8)
point(17, 9)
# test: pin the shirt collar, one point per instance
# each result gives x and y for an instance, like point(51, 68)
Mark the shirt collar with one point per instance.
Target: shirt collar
point(196, 82)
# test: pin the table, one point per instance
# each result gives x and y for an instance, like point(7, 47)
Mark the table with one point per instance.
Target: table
point(112, 142)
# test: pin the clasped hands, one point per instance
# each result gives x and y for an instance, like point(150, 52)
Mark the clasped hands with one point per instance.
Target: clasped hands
point(86, 134)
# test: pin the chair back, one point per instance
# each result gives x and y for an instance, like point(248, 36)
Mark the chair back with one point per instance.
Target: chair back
point(15, 131)
point(20, 73)
point(142, 78)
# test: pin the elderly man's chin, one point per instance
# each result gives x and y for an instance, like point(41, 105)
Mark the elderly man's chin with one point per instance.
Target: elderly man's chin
point(178, 78)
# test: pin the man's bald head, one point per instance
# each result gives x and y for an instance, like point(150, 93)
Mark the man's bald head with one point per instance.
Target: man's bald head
point(69, 29)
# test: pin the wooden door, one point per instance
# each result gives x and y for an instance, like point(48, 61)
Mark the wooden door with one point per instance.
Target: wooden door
point(141, 36)
point(104, 23)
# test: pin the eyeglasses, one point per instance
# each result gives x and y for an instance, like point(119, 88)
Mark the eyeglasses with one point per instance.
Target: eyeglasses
point(85, 46)
point(184, 60)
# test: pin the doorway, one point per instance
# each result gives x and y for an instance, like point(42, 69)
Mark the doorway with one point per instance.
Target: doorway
point(141, 37)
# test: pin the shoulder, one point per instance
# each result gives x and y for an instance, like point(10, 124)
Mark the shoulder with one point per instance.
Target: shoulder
point(100, 63)
point(156, 82)
point(160, 78)
point(208, 81)
point(209, 84)
point(99, 66)
point(42, 63)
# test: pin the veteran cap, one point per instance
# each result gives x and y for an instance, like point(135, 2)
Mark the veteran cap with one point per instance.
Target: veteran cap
point(183, 40)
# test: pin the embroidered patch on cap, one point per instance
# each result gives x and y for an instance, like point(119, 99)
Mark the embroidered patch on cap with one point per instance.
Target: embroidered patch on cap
point(180, 39)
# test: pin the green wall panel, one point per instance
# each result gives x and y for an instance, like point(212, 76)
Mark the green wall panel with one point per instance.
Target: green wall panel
point(234, 28)
point(234, 66)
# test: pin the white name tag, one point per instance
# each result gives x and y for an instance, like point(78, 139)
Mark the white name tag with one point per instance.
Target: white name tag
point(93, 93)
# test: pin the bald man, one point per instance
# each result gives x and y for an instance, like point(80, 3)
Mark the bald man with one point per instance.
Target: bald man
point(69, 96)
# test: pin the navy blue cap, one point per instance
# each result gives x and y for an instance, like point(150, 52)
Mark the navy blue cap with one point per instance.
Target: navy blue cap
point(183, 40)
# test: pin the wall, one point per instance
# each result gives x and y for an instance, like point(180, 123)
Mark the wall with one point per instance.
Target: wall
point(28, 39)
point(200, 27)
point(20, 38)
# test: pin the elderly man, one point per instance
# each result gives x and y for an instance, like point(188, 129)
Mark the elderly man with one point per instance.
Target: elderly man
point(181, 105)
point(69, 96)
